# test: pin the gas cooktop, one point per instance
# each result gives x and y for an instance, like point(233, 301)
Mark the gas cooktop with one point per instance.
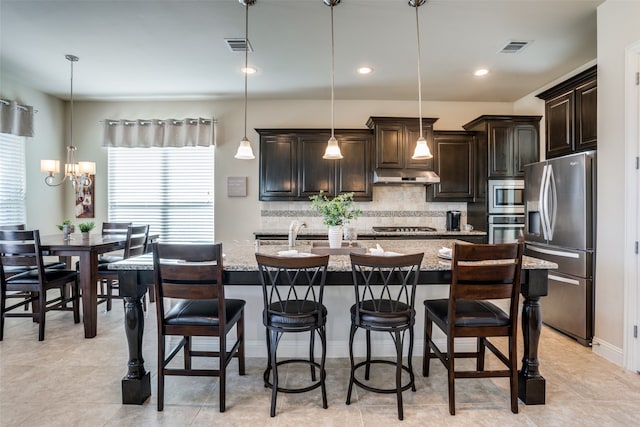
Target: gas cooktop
point(403, 229)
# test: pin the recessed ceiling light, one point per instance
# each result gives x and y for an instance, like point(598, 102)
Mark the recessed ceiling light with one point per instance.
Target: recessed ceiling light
point(249, 70)
point(365, 70)
point(481, 72)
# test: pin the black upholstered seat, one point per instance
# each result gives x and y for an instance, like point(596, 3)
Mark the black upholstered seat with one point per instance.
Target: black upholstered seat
point(292, 290)
point(385, 296)
point(479, 273)
point(202, 312)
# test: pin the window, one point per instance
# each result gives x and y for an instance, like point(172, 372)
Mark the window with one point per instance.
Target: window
point(12, 180)
point(169, 188)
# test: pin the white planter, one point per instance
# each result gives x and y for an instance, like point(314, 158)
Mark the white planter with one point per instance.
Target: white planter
point(335, 236)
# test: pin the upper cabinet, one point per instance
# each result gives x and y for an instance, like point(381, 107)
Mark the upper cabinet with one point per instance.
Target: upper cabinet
point(505, 144)
point(292, 167)
point(454, 154)
point(571, 114)
point(395, 140)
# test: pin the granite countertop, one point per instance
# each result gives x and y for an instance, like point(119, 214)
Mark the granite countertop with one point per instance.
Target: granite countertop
point(309, 232)
point(240, 256)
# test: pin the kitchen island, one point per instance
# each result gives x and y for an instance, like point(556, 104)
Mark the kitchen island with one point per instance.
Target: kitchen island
point(241, 271)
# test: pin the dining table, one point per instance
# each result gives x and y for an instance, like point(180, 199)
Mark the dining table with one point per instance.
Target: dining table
point(240, 269)
point(87, 250)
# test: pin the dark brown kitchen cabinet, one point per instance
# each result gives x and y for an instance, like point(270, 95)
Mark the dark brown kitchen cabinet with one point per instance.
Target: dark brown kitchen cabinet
point(454, 154)
point(278, 166)
point(571, 115)
point(295, 156)
point(505, 144)
point(395, 140)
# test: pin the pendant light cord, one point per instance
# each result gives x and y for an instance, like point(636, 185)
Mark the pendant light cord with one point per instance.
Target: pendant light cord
point(419, 72)
point(71, 106)
point(246, 64)
point(332, 73)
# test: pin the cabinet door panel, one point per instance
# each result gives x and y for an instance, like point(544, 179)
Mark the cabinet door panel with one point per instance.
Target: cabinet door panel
point(587, 116)
point(278, 167)
point(353, 172)
point(454, 154)
point(526, 150)
point(390, 146)
point(501, 150)
point(316, 173)
point(559, 116)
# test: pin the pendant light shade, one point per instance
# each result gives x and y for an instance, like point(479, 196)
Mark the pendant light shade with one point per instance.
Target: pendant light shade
point(333, 149)
point(421, 151)
point(245, 152)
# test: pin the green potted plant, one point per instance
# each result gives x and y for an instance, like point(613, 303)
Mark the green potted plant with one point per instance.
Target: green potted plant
point(66, 227)
point(336, 213)
point(85, 228)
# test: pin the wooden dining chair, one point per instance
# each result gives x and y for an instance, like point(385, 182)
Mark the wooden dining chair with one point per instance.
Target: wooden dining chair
point(21, 248)
point(479, 273)
point(135, 244)
point(385, 289)
point(191, 276)
point(292, 291)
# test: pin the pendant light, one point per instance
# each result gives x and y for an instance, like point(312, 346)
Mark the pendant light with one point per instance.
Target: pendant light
point(421, 151)
point(333, 149)
point(244, 150)
point(79, 173)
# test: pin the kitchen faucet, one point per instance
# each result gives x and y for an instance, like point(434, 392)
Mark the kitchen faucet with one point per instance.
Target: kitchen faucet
point(294, 228)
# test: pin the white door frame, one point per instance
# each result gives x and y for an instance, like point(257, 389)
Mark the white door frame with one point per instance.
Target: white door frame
point(632, 210)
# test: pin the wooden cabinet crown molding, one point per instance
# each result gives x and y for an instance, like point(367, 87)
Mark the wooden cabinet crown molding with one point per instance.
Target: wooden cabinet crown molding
point(570, 84)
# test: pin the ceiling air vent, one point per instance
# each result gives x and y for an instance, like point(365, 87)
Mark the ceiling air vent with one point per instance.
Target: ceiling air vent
point(514, 46)
point(238, 45)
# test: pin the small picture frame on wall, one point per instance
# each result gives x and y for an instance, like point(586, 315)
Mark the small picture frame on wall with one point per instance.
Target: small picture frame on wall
point(237, 186)
point(85, 199)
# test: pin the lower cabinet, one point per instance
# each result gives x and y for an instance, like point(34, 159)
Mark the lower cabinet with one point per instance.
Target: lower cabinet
point(292, 167)
point(454, 160)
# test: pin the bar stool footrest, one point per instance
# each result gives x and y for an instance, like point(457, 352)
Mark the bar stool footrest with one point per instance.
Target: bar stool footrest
point(404, 387)
point(315, 385)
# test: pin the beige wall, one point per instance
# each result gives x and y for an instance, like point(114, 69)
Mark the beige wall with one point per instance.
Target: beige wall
point(618, 27)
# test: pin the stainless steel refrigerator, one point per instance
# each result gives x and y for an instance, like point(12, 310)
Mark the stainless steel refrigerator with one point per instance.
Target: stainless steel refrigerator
point(560, 218)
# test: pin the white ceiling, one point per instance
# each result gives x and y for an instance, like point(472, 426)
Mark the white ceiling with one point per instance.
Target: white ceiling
point(175, 49)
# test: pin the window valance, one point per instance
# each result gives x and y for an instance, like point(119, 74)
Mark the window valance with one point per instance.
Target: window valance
point(145, 133)
point(16, 119)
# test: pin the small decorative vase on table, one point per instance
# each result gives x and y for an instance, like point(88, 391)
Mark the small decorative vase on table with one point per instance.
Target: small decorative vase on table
point(336, 213)
point(85, 228)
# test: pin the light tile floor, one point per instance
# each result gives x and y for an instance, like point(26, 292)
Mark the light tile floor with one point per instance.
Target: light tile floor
point(71, 381)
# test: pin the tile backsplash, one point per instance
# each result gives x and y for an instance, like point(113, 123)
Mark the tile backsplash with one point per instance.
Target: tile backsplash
point(391, 206)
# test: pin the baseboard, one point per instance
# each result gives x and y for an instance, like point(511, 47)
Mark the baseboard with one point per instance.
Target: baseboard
point(608, 351)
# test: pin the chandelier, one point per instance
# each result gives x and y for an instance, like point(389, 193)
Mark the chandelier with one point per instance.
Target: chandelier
point(78, 173)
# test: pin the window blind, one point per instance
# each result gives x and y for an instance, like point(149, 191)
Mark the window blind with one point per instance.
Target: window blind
point(12, 180)
point(171, 189)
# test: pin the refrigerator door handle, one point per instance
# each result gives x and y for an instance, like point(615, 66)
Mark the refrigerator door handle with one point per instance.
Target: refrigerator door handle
point(553, 252)
point(542, 201)
point(553, 208)
point(563, 279)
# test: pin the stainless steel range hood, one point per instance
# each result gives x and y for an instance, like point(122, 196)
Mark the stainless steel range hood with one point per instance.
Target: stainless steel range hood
point(404, 176)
